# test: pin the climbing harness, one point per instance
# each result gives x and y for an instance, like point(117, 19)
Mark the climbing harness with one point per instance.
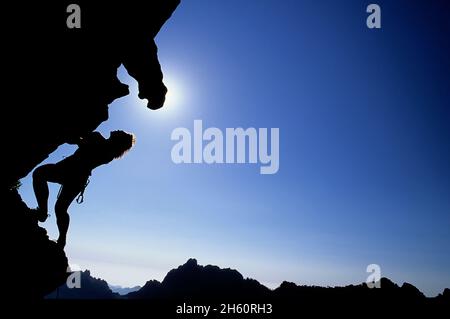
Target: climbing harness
point(80, 197)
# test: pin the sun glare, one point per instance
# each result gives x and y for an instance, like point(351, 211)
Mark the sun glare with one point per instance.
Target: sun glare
point(175, 96)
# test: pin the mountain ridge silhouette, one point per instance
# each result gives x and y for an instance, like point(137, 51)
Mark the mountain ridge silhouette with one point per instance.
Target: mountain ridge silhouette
point(195, 283)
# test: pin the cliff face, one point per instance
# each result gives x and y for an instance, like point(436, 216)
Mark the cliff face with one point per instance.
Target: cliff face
point(61, 82)
point(36, 265)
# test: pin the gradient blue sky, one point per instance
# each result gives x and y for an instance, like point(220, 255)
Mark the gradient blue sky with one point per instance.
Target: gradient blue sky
point(364, 149)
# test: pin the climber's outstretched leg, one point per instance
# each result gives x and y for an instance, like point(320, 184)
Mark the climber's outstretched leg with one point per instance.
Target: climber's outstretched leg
point(68, 193)
point(42, 175)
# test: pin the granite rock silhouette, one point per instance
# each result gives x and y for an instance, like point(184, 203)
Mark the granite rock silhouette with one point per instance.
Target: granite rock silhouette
point(60, 83)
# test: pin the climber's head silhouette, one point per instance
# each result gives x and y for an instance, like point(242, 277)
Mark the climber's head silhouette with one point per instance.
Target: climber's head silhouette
point(121, 142)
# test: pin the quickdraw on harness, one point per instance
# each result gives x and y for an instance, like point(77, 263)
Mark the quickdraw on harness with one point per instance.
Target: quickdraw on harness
point(80, 197)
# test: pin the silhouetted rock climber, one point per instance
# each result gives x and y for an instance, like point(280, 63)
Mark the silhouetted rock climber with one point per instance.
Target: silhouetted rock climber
point(73, 173)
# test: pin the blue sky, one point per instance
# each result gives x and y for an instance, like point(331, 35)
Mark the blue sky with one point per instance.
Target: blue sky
point(364, 149)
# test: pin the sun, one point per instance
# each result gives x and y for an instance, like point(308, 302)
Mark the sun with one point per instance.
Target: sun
point(175, 95)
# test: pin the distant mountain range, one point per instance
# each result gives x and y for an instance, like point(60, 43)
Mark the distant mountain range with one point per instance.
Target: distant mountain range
point(123, 290)
point(90, 288)
point(193, 282)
